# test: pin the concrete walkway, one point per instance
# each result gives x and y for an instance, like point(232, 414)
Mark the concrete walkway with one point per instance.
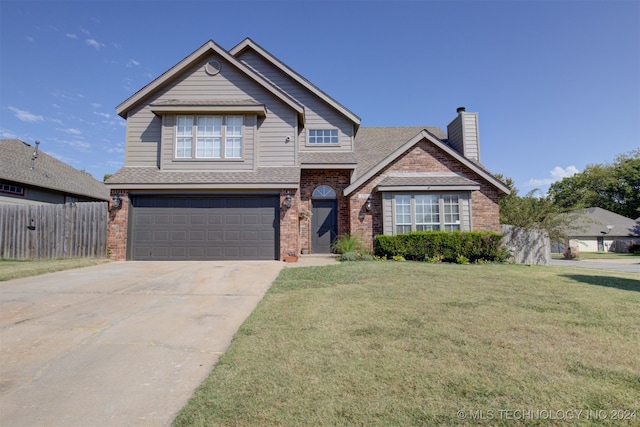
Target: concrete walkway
point(119, 344)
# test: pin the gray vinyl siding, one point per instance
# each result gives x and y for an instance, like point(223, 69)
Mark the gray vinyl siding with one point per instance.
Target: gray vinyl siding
point(464, 136)
point(151, 144)
point(318, 114)
point(388, 210)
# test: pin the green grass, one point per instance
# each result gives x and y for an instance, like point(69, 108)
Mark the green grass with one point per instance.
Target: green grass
point(15, 269)
point(383, 343)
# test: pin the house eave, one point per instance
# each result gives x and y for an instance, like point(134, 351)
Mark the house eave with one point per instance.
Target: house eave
point(398, 188)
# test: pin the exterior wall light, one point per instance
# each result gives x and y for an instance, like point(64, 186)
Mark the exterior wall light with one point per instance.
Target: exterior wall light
point(367, 204)
point(116, 202)
point(287, 201)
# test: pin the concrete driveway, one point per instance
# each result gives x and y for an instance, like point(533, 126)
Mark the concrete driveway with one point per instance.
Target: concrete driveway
point(119, 344)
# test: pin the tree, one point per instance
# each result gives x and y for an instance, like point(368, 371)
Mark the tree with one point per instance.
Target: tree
point(534, 212)
point(107, 176)
point(615, 187)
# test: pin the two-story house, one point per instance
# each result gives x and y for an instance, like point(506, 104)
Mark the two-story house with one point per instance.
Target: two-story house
point(228, 152)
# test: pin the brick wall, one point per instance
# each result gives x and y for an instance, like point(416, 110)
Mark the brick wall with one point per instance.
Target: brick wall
point(289, 228)
point(117, 229)
point(423, 157)
point(338, 180)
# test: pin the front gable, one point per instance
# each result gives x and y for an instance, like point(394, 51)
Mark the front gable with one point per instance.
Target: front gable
point(322, 112)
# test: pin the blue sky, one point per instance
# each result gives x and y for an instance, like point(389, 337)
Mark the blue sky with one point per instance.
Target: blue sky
point(556, 83)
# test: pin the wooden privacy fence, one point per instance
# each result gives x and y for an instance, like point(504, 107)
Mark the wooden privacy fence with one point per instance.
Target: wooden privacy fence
point(53, 231)
point(527, 246)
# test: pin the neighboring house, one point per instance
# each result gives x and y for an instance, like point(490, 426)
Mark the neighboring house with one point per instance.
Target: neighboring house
point(228, 151)
point(600, 230)
point(30, 176)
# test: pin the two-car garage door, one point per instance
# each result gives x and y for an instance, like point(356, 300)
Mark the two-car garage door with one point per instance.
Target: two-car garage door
point(203, 228)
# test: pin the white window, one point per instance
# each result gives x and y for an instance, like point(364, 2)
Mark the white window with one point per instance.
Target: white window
point(11, 189)
point(233, 142)
point(184, 136)
point(209, 137)
point(451, 212)
point(323, 136)
point(216, 137)
point(403, 214)
point(426, 212)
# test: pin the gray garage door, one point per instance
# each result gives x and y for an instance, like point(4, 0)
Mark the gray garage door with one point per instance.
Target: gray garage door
point(190, 228)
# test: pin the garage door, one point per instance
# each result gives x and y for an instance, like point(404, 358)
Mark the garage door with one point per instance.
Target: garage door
point(190, 228)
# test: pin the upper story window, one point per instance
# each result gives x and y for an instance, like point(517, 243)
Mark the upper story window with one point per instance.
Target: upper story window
point(209, 137)
point(323, 136)
point(11, 189)
point(426, 212)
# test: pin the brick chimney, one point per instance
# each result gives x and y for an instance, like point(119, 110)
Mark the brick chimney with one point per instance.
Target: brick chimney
point(464, 136)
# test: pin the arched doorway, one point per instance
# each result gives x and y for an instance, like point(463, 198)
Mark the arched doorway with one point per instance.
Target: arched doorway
point(324, 222)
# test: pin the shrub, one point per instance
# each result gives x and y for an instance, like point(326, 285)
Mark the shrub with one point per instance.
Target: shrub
point(348, 243)
point(634, 249)
point(440, 245)
point(461, 259)
point(348, 256)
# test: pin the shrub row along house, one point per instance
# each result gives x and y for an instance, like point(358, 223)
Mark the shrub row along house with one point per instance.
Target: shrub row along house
point(234, 155)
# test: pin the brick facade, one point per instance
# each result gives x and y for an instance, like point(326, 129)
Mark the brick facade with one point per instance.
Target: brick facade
point(117, 228)
point(423, 157)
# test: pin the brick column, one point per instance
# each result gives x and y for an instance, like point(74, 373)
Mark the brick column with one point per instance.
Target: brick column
point(117, 229)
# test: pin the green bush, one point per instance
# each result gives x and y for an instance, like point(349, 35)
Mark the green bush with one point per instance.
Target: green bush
point(634, 249)
point(348, 243)
point(444, 246)
point(348, 256)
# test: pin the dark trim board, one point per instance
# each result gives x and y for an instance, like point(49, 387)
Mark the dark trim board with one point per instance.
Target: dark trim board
point(203, 228)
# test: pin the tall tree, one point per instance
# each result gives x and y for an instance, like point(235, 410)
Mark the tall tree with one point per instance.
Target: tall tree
point(534, 212)
point(615, 187)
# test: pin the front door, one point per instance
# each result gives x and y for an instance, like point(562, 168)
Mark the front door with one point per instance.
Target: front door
point(324, 225)
point(600, 244)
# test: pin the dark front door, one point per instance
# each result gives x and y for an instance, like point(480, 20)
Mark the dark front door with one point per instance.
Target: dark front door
point(600, 244)
point(324, 225)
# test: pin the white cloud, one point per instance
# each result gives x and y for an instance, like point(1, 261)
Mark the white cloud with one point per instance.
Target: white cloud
point(96, 105)
point(94, 43)
point(556, 173)
point(71, 131)
point(30, 39)
point(5, 133)
point(80, 145)
point(132, 63)
point(72, 36)
point(105, 115)
point(26, 116)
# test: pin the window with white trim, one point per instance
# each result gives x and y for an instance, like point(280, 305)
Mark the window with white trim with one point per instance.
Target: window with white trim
point(323, 136)
point(216, 137)
point(426, 212)
point(11, 189)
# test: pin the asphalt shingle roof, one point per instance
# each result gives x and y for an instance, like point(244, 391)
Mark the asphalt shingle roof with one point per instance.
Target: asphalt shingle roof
point(327, 158)
point(48, 172)
point(374, 144)
point(424, 181)
point(150, 175)
point(593, 221)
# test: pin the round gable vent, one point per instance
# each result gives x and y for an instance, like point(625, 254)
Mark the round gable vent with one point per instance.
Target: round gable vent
point(212, 68)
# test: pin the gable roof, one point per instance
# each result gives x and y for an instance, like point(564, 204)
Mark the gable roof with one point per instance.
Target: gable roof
point(250, 44)
point(175, 71)
point(594, 221)
point(376, 148)
point(48, 172)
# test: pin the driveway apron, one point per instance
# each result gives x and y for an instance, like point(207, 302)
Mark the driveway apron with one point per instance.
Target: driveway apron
point(119, 344)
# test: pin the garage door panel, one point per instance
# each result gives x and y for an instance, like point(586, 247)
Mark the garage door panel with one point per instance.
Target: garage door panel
point(204, 228)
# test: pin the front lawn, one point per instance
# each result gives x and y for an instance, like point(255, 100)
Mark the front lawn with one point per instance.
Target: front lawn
point(15, 269)
point(385, 343)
